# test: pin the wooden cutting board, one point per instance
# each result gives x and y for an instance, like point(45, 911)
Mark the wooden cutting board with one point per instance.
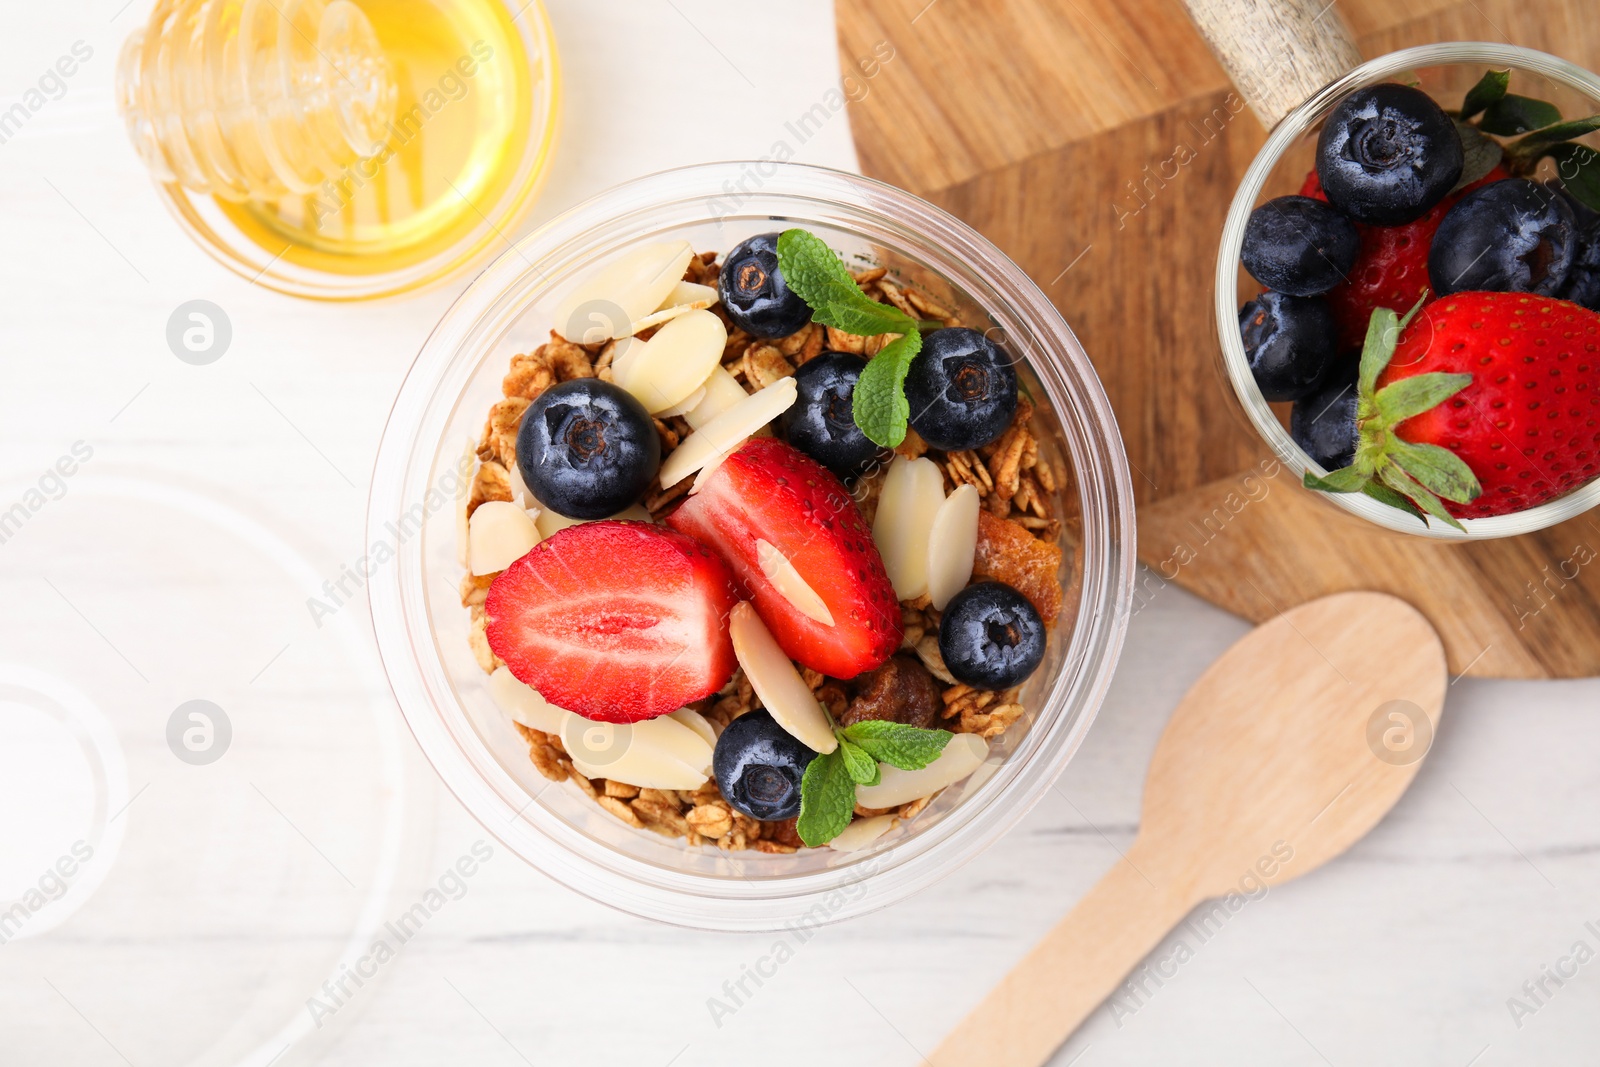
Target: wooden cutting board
point(1098, 143)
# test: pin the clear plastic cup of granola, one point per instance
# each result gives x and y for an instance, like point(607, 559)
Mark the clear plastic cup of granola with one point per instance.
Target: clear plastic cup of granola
point(422, 629)
point(1445, 72)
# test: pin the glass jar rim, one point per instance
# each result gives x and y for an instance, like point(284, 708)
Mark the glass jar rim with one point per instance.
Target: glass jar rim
point(411, 445)
point(1289, 130)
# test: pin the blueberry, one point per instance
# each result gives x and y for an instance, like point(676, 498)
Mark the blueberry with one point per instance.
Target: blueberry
point(1388, 153)
point(820, 422)
point(991, 636)
point(753, 291)
point(1290, 342)
point(1299, 246)
point(962, 390)
point(587, 449)
point(1583, 281)
point(758, 766)
point(1511, 236)
point(1324, 423)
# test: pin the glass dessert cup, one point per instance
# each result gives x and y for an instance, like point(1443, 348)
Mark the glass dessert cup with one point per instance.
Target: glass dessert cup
point(422, 629)
point(1445, 72)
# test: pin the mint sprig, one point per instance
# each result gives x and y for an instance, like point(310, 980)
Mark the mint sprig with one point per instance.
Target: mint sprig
point(828, 787)
point(1397, 472)
point(811, 269)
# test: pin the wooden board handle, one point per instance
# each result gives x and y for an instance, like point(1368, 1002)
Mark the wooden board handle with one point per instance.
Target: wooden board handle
point(1043, 1000)
point(1278, 52)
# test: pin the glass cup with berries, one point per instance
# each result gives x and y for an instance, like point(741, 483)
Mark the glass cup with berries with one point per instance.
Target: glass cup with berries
point(752, 545)
point(1408, 291)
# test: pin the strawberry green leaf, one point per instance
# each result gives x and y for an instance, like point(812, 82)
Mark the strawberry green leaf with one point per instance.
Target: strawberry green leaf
point(1412, 396)
point(811, 269)
point(1384, 495)
point(862, 768)
point(909, 748)
point(1383, 333)
point(1512, 115)
point(1490, 88)
point(1403, 483)
point(827, 799)
point(880, 406)
point(1345, 480)
point(1480, 154)
point(1561, 131)
point(1578, 167)
point(1439, 469)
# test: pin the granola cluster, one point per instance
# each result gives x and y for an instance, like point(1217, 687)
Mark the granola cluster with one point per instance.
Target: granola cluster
point(1018, 543)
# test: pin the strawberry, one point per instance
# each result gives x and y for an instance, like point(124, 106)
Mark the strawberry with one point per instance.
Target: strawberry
point(616, 621)
point(1488, 400)
point(1392, 270)
point(770, 491)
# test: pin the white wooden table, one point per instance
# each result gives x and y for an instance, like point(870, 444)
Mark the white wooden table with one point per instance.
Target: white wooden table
point(174, 564)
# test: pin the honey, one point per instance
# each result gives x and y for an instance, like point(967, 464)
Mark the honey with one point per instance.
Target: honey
point(343, 149)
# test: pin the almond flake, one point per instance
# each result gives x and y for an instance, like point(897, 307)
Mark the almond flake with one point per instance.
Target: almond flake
point(952, 543)
point(664, 370)
point(653, 754)
point(781, 689)
point(608, 302)
point(550, 523)
point(723, 391)
point(780, 571)
point(728, 430)
point(523, 703)
point(962, 755)
point(498, 534)
point(913, 492)
point(861, 833)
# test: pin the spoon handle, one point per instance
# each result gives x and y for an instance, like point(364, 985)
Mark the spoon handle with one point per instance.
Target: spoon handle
point(1042, 1001)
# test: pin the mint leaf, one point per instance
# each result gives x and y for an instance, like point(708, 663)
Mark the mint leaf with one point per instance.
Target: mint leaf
point(880, 407)
point(1480, 154)
point(1412, 396)
point(1578, 167)
point(1490, 88)
point(811, 269)
point(862, 768)
point(909, 748)
point(1512, 115)
point(827, 799)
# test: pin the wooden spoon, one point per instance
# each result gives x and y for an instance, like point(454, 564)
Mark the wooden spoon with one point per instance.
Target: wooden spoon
point(1284, 754)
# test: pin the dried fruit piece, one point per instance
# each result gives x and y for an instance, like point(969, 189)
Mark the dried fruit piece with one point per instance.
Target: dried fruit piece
point(724, 432)
point(952, 543)
point(861, 833)
point(913, 491)
point(523, 702)
point(498, 534)
point(902, 690)
point(963, 754)
point(666, 369)
point(1008, 553)
point(608, 302)
point(787, 581)
point(781, 689)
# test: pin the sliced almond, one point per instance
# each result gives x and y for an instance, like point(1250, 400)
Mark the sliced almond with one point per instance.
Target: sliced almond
point(963, 754)
point(780, 571)
point(519, 488)
point(698, 723)
point(723, 391)
point(664, 370)
point(690, 402)
point(952, 545)
point(623, 352)
point(498, 534)
point(608, 302)
point(523, 703)
point(728, 430)
point(913, 491)
point(650, 754)
point(861, 833)
point(772, 675)
point(549, 522)
point(709, 470)
point(692, 293)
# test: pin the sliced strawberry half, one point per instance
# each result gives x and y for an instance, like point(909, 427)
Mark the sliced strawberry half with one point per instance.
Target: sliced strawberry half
point(1392, 270)
point(769, 491)
point(616, 621)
